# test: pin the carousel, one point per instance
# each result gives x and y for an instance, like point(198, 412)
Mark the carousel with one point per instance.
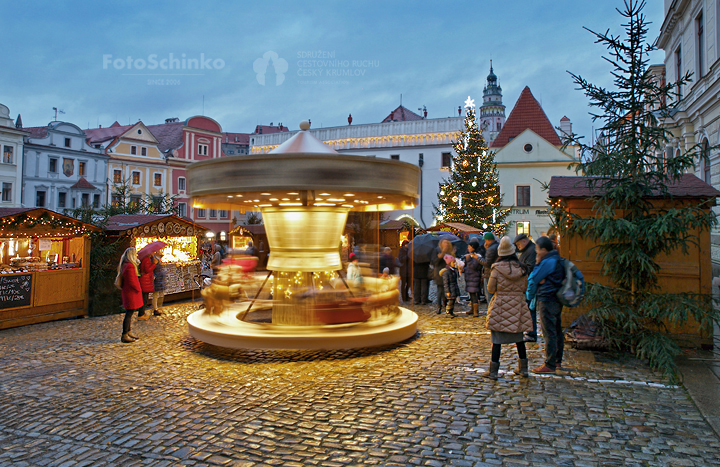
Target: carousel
point(304, 190)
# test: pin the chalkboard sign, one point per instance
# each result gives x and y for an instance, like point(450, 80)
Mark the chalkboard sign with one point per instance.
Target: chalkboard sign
point(15, 290)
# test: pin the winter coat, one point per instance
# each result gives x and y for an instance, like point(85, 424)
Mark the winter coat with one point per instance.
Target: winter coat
point(528, 256)
point(353, 274)
point(147, 277)
point(450, 281)
point(402, 262)
point(132, 298)
point(421, 271)
point(160, 275)
point(491, 255)
point(473, 274)
point(508, 310)
point(386, 261)
point(551, 270)
point(438, 265)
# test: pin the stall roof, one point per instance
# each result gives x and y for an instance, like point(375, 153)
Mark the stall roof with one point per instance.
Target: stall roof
point(254, 229)
point(41, 222)
point(122, 223)
point(455, 226)
point(689, 186)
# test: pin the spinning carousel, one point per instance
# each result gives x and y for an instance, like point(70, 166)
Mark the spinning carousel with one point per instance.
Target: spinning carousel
point(304, 190)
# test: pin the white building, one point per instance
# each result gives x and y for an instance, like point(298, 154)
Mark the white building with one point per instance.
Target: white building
point(527, 153)
point(61, 170)
point(690, 36)
point(11, 145)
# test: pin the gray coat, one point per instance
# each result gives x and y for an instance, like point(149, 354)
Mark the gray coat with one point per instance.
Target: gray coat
point(473, 274)
point(528, 256)
point(491, 255)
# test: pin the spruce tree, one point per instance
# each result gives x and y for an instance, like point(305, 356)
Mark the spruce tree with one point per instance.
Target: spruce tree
point(624, 168)
point(471, 193)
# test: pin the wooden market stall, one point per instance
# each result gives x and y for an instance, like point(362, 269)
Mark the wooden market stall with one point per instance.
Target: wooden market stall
point(679, 272)
point(44, 266)
point(240, 238)
point(181, 256)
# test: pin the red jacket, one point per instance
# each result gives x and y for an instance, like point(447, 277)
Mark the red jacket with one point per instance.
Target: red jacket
point(147, 277)
point(132, 298)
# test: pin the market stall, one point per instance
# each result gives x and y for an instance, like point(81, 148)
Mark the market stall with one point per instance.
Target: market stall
point(241, 236)
point(180, 256)
point(44, 258)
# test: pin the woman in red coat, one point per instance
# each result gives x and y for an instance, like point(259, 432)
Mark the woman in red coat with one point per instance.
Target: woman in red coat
point(127, 281)
point(147, 282)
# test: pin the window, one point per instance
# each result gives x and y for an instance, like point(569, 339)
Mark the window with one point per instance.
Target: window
point(133, 150)
point(523, 227)
point(202, 149)
point(7, 192)
point(134, 200)
point(53, 165)
point(523, 196)
point(81, 168)
point(139, 131)
point(181, 183)
point(62, 199)
point(213, 213)
point(67, 142)
point(499, 126)
point(117, 176)
point(7, 155)
point(116, 201)
point(157, 180)
point(706, 163)
point(40, 199)
point(446, 160)
point(85, 200)
point(182, 209)
point(395, 157)
point(201, 213)
point(223, 214)
point(678, 71)
point(700, 45)
point(96, 201)
point(143, 151)
point(136, 178)
point(528, 147)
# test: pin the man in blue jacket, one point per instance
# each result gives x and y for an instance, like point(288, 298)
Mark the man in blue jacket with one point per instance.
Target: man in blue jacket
point(544, 282)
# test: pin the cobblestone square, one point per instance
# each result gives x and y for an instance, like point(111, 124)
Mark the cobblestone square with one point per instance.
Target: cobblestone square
point(71, 394)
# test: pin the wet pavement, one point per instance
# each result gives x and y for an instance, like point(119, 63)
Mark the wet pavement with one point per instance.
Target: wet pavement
point(71, 394)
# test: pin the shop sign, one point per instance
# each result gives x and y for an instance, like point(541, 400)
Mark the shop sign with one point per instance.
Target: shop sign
point(15, 290)
point(541, 212)
point(520, 211)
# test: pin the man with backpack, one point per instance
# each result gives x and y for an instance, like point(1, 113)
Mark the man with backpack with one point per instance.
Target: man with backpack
point(543, 284)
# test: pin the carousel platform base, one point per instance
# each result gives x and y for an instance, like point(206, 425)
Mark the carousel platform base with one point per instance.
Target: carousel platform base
point(225, 330)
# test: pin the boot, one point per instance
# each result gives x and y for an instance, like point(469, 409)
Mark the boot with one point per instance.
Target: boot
point(475, 307)
point(126, 338)
point(132, 336)
point(522, 368)
point(492, 373)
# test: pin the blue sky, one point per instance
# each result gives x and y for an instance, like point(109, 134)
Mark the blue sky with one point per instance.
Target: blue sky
point(342, 58)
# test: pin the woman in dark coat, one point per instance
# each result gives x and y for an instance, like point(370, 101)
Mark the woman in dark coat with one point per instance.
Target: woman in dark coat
point(147, 282)
point(473, 274)
point(127, 281)
point(403, 261)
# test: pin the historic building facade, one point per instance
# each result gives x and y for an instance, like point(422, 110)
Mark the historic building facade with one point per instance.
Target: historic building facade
point(61, 170)
point(690, 37)
point(11, 145)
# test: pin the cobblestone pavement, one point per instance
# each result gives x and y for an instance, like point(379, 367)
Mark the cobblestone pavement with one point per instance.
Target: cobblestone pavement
point(72, 395)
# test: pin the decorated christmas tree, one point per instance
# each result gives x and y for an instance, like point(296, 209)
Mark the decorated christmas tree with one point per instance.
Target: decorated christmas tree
point(471, 194)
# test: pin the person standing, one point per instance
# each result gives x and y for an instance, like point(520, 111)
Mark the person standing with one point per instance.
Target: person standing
point(491, 255)
point(421, 283)
point(127, 281)
point(528, 256)
point(354, 276)
point(508, 315)
point(473, 275)
point(449, 276)
point(387, 261)
point(216, 260)
point(543, 284)
point(444, 248)
point(147, 279)
point(159, 285)
point(402, 261)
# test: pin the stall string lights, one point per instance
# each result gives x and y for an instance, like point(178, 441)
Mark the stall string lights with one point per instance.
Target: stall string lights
point(25, 222)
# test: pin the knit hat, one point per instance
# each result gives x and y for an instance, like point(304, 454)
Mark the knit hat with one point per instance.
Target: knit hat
point(448, 259)
point(352, 257)
point(489, 236)
point(474, 243)
point(506, 247)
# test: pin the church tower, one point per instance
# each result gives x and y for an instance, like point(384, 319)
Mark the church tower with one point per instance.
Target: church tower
point(492, 112)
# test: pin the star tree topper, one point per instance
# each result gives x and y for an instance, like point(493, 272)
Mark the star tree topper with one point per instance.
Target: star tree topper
point(470, 103)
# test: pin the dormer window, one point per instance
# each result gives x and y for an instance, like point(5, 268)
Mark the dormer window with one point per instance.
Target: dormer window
point(67, 142)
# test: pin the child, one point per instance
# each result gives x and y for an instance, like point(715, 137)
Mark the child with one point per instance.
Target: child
point(450, 283)
point(159, 285)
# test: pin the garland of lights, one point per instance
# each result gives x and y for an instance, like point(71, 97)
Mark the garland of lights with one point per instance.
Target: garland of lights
point(26, 222)
point(471, 193)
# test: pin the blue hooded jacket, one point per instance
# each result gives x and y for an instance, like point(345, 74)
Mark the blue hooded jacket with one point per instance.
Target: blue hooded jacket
point(551, 269)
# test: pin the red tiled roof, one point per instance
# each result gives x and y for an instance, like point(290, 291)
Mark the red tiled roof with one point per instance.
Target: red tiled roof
point(689, 186)
point(401, 114)
point(99, 135)
point(36, 131)
point(169, 135)
point(527, 114)
point(265, 129)
point(236, 138)
point(83, 184)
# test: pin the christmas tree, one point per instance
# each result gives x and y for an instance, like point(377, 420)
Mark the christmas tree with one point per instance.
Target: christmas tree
point(471, 194)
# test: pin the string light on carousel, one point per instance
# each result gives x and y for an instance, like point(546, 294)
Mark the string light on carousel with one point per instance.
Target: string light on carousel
point(304, 190)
